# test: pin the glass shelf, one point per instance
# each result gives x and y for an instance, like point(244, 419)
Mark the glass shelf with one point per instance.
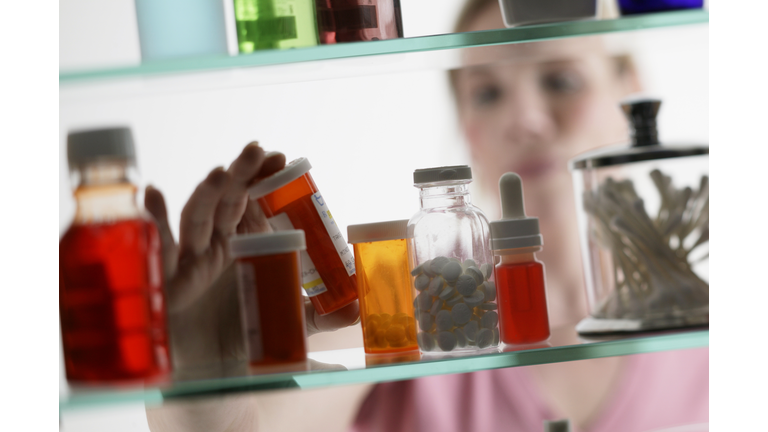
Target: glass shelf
point(394, 46)
point(353, 366)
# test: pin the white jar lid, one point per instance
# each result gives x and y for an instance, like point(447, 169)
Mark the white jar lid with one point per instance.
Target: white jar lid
point(248, 245)
point(379, 231)
point(295, 169)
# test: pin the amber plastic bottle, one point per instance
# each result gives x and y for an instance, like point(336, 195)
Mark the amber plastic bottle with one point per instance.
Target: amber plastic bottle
point(384, 286)
point(111, 300)
point(291, 200)
point(269, 275)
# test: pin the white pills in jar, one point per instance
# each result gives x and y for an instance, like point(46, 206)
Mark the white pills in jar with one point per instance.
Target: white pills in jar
point(484, 338)
point(453, 300)
point(489, 320)
point(444, 321)
point(421, 282)
point(451, 271)
point(466, 285)
point(474, 300)
point(446, 340)
point(426, 341)
point(436, 285)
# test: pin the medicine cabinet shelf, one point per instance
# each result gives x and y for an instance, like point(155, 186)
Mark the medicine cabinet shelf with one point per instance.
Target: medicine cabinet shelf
point(394, 46)
point(349, 367)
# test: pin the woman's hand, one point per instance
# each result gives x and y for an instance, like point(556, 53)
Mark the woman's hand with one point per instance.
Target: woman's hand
point(203, 312)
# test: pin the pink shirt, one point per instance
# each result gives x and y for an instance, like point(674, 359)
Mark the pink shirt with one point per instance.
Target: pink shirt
point(658, 390)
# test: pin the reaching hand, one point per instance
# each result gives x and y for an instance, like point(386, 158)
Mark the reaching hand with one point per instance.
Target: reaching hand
point(203, 312)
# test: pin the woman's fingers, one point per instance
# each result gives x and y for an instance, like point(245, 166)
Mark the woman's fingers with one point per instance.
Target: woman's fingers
point(243, 170)
point(273, 162)
point(196, 225)
point(253, 220)
point(195, 277)
point(155, 204)
point(344, 317)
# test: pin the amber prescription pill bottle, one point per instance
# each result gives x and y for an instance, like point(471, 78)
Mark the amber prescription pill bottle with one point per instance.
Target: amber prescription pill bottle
point(384, 286)
point(291, 200)
point(269, 272)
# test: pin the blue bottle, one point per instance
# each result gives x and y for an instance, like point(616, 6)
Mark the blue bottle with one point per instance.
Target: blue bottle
point(181, 28)
point(633, 7)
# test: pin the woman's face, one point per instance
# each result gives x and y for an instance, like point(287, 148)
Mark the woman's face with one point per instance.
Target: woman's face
point(542, 105)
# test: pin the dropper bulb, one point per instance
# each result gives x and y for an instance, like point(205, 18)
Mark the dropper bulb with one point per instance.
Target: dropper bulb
point(511, 191)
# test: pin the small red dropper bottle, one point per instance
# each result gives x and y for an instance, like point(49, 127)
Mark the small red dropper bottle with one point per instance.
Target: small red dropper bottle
point(520, 285)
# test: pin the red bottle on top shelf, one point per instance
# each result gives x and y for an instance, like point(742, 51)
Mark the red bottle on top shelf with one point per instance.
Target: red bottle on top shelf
point(111, 299)
point(358, 20)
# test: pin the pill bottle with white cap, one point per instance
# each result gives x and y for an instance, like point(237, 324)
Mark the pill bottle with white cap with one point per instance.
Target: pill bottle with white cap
point(272, 307)
point(384, 286)
point(451, 265)
point(520, 279)
point(291, 200)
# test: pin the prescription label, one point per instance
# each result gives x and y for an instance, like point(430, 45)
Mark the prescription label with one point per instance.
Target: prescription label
point(310, 278)
point(250, 306)
point(342, 248)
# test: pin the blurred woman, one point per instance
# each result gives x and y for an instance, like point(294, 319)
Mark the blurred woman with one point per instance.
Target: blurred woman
point(526, 108)
point(529, 108)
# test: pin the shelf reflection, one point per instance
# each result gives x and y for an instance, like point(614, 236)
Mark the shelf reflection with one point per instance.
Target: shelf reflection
point(350, 366)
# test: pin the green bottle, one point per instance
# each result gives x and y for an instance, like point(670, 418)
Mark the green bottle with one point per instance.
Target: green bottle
point(275, 24)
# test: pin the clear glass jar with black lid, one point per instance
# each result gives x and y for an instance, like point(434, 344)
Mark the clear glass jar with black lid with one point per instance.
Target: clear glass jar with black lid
point(643, 215)
point(451, 265)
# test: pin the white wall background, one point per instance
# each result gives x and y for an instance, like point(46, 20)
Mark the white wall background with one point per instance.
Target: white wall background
point(364, 134)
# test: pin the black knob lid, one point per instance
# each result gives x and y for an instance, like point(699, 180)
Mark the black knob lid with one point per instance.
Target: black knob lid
point(642, 117)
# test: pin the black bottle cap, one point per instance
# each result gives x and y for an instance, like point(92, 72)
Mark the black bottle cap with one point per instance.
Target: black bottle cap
point(642, 118)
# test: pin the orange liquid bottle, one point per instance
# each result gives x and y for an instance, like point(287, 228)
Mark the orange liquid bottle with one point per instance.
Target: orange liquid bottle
point(111, 300)
point(269, 272)
point(291, 200)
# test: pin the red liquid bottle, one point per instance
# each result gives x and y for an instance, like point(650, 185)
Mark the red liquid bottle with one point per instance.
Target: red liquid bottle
point(111, 300)
point(358, 20)
point(520, 285)
point(521, 296)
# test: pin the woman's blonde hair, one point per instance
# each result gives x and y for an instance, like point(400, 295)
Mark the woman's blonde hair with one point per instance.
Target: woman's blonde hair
point(472, 8)
point(470, 11)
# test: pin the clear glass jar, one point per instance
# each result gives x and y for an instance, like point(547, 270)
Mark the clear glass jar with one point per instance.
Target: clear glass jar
point(451, 264)
point(643, 217)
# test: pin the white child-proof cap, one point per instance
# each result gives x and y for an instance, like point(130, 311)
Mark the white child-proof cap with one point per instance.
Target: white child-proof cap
point(514, 230)
point(295, 169)
point(248, 245)
point(379, 231)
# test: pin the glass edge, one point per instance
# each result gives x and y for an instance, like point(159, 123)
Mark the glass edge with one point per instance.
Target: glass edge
point(611, 348)
point(395, 46)
point(397, 372)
